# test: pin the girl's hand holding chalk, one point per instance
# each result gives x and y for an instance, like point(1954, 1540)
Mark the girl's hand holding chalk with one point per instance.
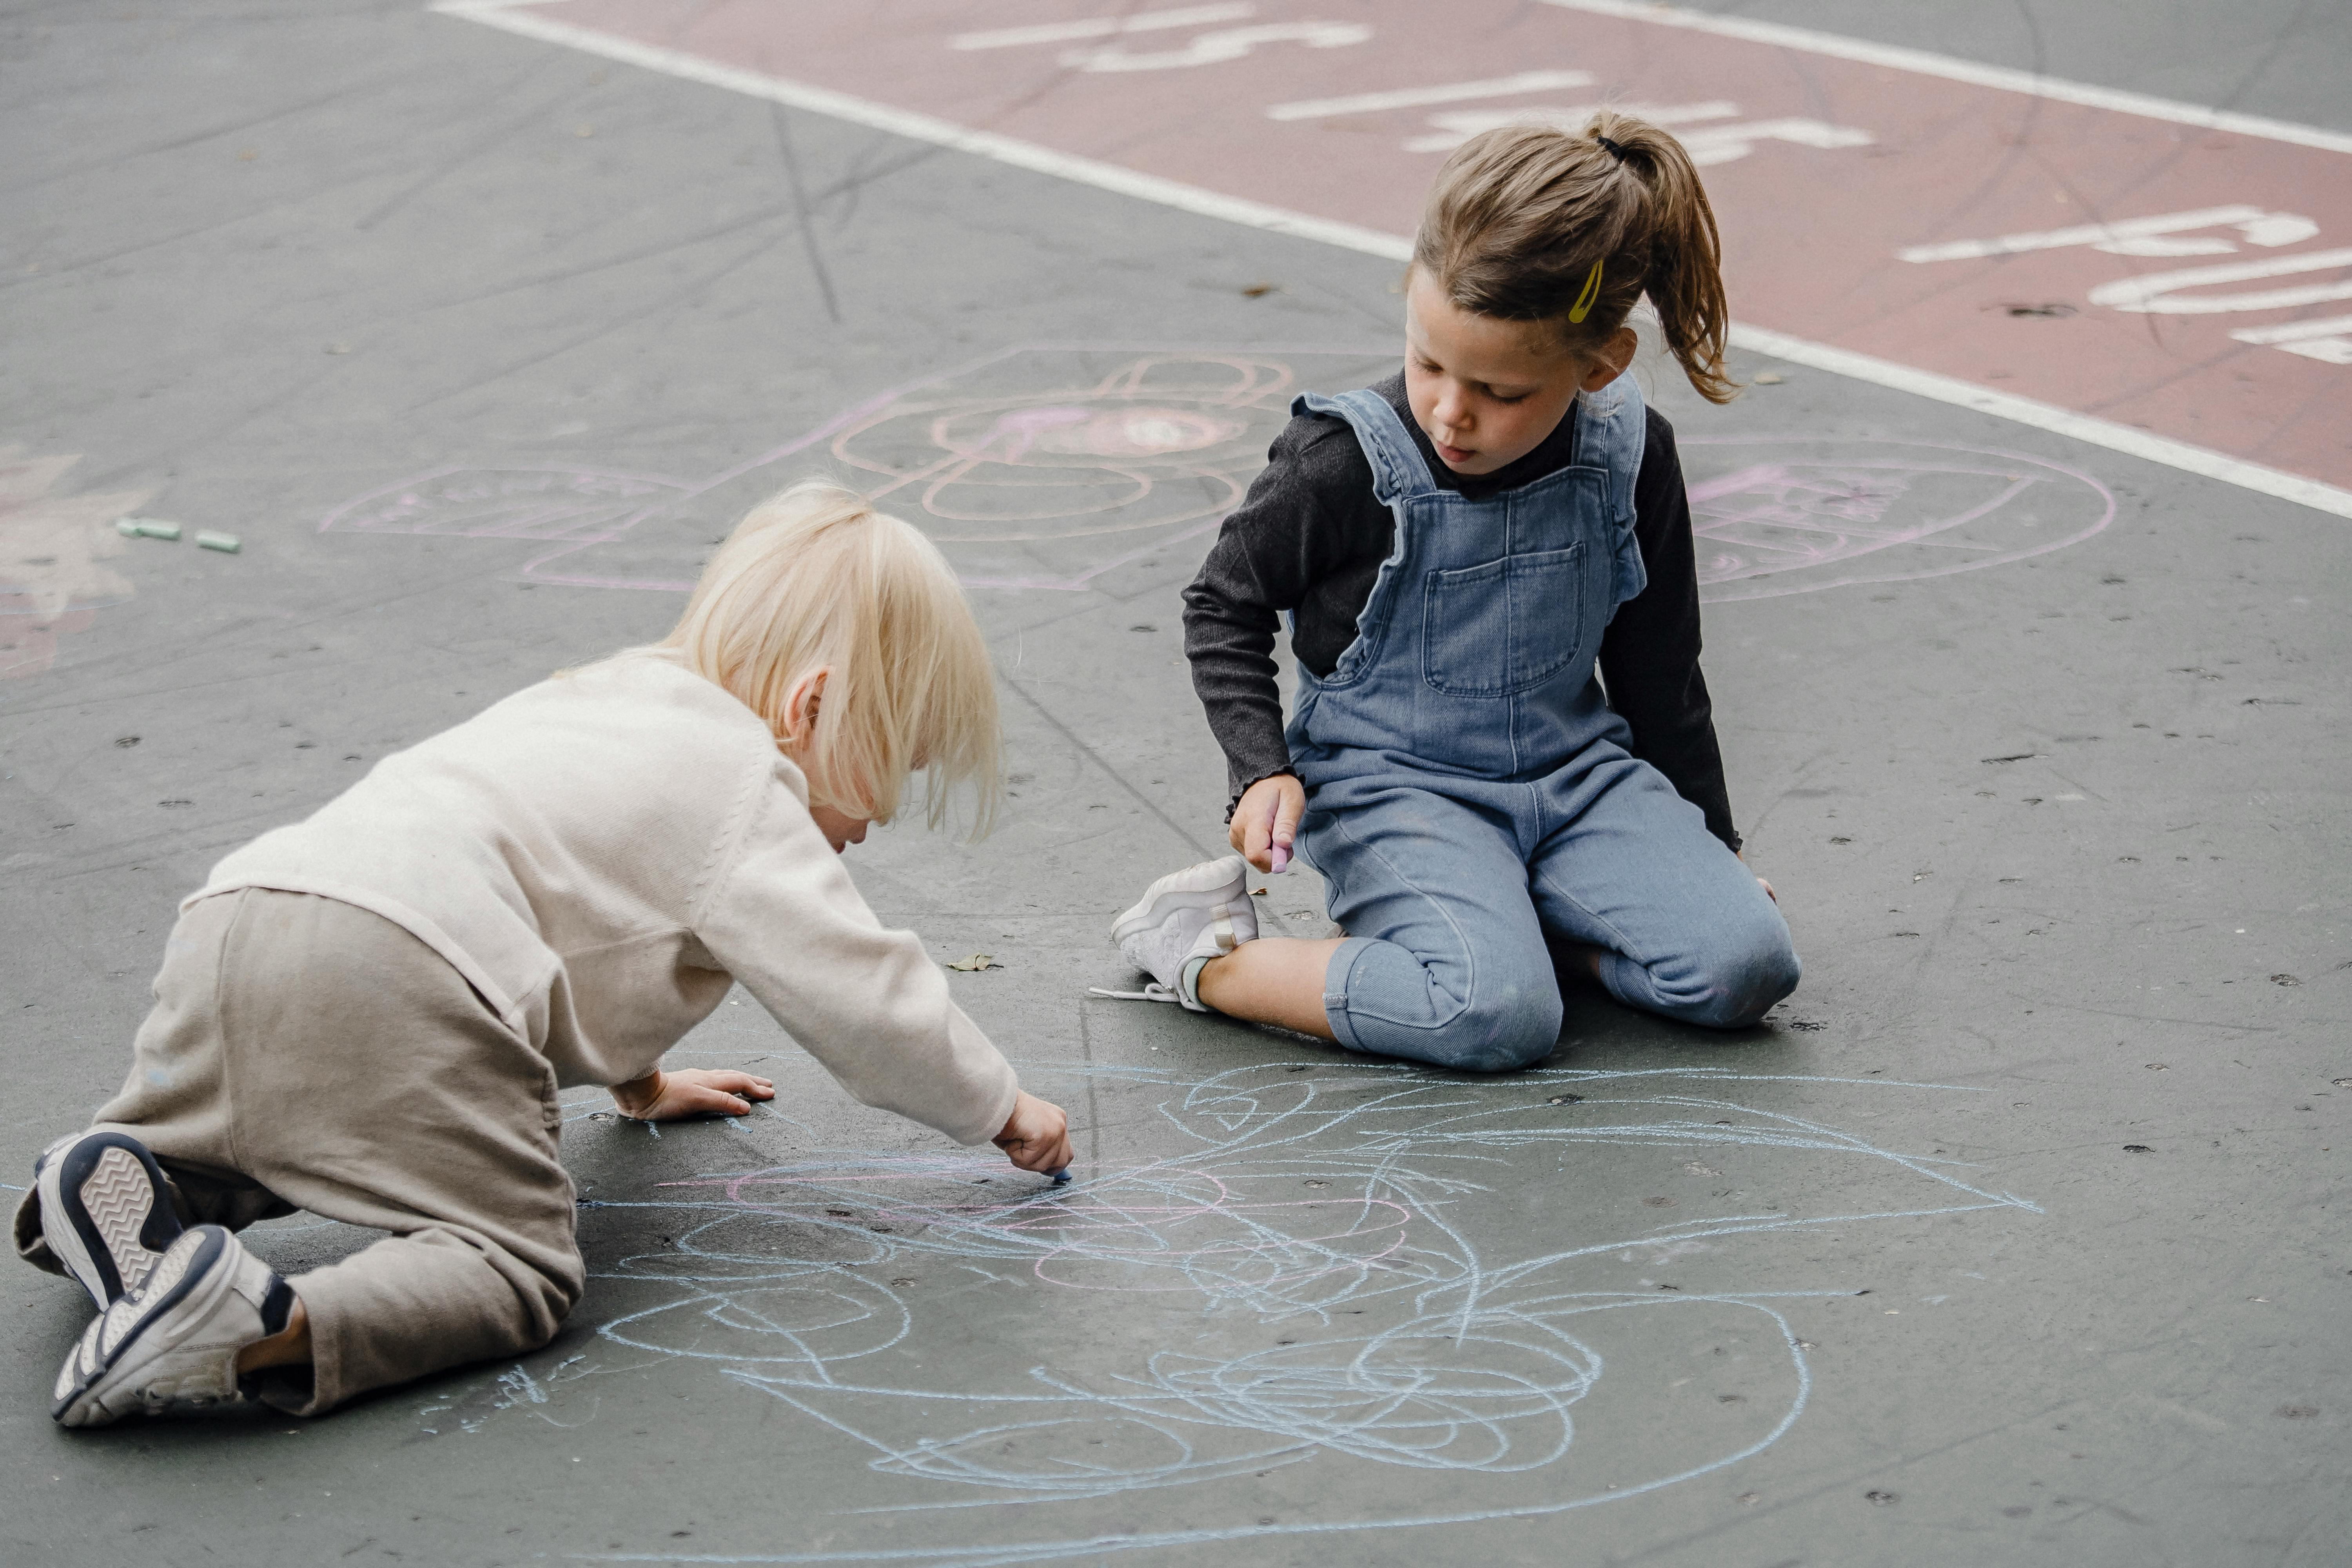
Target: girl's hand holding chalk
point(1265, 822)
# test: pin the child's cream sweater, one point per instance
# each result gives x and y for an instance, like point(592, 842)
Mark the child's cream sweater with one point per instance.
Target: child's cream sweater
point(602, 855)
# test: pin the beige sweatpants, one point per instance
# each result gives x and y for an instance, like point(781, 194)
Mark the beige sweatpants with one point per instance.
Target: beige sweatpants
point(303, 1053)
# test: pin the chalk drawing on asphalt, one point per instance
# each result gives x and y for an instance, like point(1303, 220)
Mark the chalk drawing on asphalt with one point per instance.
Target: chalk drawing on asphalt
point(1043, 468)
point(53, 549)
point(1331, 1265)
point(1039, 468)
point(1791, 515)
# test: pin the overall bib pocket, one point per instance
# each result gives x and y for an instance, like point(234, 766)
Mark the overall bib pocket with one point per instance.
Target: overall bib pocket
point(1499, 628)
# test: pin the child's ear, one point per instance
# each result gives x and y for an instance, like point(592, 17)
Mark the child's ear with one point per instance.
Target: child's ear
point(1609, 362)
point(802, 704)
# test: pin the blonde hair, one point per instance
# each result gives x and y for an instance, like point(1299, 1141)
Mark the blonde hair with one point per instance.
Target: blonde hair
point(815, 578)
point(1520, 214)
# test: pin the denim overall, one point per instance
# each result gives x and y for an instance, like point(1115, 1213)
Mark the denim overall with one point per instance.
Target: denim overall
point(1469, 792)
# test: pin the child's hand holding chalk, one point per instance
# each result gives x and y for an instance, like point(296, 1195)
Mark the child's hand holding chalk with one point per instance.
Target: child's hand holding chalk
point(1265, 822)
point(1037, 1137)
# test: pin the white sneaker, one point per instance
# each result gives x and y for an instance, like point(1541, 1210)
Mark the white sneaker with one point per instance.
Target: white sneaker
point(106, 1211)
point(170, 1345)
point(1202, 911)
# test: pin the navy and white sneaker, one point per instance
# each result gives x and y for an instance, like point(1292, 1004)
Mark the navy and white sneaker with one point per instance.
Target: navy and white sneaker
point(170, 1345)
point(106, 1211)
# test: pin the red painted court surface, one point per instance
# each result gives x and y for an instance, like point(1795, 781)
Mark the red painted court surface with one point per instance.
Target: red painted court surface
point(2192, 282)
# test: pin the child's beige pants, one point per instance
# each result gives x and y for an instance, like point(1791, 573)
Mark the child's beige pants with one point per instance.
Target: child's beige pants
point(306, 1054)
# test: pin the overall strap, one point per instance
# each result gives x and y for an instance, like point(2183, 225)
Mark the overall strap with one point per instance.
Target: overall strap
point(1398, 471)
point(1612, 432)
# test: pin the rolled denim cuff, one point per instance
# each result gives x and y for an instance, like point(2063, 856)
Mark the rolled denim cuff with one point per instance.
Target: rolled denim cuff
point(1334, 990)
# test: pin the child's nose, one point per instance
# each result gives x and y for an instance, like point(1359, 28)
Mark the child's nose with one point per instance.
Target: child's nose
point(1451, 410)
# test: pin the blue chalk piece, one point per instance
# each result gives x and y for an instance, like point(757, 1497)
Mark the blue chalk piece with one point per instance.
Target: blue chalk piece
point(1061, 1177)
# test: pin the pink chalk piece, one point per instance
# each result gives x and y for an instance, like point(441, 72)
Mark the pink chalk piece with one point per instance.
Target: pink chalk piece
point(1277, 854)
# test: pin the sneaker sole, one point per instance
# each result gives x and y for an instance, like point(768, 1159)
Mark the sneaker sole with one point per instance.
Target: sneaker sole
point(193, 1295)
point(1210, 885)
point(116, 1216)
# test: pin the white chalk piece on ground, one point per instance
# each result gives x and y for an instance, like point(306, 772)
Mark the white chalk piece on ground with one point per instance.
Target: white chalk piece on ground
point(146, 528)
point(975, 963)
point(226, 543)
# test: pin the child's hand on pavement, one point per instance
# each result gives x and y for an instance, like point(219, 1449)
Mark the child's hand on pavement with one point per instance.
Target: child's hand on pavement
point(690, 1091)
point(1037, 1135)
point(1268, 814)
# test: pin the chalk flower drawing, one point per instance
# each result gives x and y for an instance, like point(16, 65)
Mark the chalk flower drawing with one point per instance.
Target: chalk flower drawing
point(52, 550)
point(1805, 512)
point(1037, 468)
point(1043, 468)
point(1349, 1246)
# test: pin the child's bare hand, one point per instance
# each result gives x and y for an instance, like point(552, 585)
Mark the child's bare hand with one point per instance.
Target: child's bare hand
point(691, 1091)
point(1037, 1135)
point(1268, 814)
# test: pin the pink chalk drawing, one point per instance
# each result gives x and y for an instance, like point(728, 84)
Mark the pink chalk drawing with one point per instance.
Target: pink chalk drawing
point(1044, 467)
point(1053, 485)
point(568, 509)
point(1038, 468)
point(1808, 512)
point(52, 550)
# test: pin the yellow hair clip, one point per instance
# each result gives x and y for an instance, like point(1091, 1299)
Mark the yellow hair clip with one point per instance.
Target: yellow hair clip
point(1584, 306)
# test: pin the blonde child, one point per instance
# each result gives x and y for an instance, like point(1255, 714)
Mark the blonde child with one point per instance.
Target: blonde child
point(369, 1014)
point(1467, 552)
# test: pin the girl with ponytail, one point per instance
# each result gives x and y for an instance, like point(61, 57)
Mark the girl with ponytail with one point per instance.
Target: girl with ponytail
point(1501, 755)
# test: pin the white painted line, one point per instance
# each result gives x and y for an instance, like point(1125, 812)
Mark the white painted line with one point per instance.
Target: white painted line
point(1102, 27)
point(1968, 71)
point(2326, 351)
point(1415, 97)
point(1458, 125)
point(925, 128)
point(1712, 144)
point(2110, 235)
point(2289, 332)
point(2159, 292)
point(2083, 427)
point(1217, 48)
point(1371, 242)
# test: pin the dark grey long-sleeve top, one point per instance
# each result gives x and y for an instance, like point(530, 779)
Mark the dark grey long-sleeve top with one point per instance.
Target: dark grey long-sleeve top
point(1309, 539)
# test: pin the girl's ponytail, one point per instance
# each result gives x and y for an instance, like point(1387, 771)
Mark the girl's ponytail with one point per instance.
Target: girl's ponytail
point(1571, 228)
point(1685, 277)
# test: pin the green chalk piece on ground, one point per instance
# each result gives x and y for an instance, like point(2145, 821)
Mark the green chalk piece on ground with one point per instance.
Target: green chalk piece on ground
point(146, 528)
point(226, 543)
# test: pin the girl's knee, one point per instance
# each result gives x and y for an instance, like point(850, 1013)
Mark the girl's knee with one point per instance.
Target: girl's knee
point(1472, 1011)
point(1506, 1026)
point(1742, 982)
